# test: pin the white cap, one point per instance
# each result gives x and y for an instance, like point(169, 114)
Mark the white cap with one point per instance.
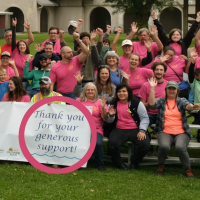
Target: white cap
point(73, 23)
point(127, 42)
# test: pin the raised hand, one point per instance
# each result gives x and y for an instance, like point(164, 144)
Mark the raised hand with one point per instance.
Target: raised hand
point(134, 27)
point(103, 102)
point(61, 33)
point(99, 31)
point(125, 75)
point(12, 62)
point(148, 44)
point(183, 57)
point(164, 58)
point(78, 76)
point(154, 15)
point(193, 55)
point(29, 57)
point(152, 82)
point(108, 28)
point(154, 30)
point(14, 21)
point(119, 30)
point(93, 35)
point(76, 36)
point(39, 47)
point(80, 21)
point(26, 25)
point(111, 110)
point(198, 17)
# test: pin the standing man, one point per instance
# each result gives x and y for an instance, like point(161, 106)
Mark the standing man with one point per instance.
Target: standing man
point(63, 72)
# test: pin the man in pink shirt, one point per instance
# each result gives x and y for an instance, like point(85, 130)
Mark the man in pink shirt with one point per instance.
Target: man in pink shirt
point(144, 35)
point(64, 71)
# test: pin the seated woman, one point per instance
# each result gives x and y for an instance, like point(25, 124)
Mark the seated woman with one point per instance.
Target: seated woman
point(16, 91)
point(131, 121)
point(171, 125)
point(89, 97)
point(104, 85)
point(176, 66)
point(175, 39)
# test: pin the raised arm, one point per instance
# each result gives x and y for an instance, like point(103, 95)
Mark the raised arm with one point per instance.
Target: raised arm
point(78, 87)
point(12, 63)
point(153, 83)
point(14, 23)
point(62, 41)
point(193, 57)
point(30, 35)
point(100, 41)
point(85, 52)
point(149, 58)
point(80, 21)
point(113, 46)
point(26, 74)
point(154, 32)
point(134, 30)
point(197, 40)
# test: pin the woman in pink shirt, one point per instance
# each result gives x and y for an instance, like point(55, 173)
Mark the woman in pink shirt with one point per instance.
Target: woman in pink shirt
point(89, 97)
point(131, 123)
point(16, 91)
point(137, 76)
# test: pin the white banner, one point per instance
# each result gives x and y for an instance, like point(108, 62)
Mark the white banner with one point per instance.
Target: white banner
point(55, 134)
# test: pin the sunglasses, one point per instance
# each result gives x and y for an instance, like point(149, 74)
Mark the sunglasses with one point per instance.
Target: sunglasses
point(41, 59)
point(103, 66)
point(43, 79)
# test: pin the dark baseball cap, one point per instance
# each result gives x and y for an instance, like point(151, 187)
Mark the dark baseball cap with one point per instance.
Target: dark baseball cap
point(44, 55)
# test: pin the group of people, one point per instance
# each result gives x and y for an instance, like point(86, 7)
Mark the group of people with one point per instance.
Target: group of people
point(147, 85)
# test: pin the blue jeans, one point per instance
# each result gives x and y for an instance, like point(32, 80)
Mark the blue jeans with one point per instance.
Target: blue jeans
point(98, 151)
point(70, 95)
point(152, 118)
point(25, 85)
point(33, 92)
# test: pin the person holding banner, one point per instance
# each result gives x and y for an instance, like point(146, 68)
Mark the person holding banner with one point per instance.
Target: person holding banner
point(89, 97)
point(16, 91)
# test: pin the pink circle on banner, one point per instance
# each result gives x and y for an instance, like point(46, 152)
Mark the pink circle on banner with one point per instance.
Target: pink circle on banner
point(32, 160)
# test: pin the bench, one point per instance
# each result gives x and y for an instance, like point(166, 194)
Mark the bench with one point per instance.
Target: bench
point(153, 160)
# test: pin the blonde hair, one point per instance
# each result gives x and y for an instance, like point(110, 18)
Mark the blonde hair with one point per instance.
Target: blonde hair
point(83, 96)
point(2, 69)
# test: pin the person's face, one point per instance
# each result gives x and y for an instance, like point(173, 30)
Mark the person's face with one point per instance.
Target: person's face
point(127, 49)
point(134, 61)
point(86, 40)
point(122, 94)
point(90, 92)
point(45, 88)
point(171, 92)
point(106, 44)
point(170, 55)
point(143, 37)
point(79, 48)
point(11, 85)
point(49, 49)
point(22, 47)
point(53, 34)
point(5, 60)
point(159, 72)
point(44, 62)
point(8, 38)
point(67, 54)
point(3, 76)
point(176, 36)
point(111, 61)
point(196, 77)
point(104, 75)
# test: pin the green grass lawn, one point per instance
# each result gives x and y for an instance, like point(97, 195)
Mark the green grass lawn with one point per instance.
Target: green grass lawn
point(24, 182)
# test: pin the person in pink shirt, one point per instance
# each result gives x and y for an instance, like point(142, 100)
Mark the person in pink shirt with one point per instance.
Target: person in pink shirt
point(127, 48)
point(20, 52)
point(16, 91)
point(137, 76)
point(175, 68)
point(131, 123)
point(197, 42)
point(89, 97)
point(63, 72)
point(9, 65)
point(144, 36)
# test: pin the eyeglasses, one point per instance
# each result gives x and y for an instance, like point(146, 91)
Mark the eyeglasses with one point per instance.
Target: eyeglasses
point(41, 59)
point(49, 43)
point(53, 33)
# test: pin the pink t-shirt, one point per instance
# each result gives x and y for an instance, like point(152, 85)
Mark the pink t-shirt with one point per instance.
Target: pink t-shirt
point(178, 65)
point(197, 63)
point(25, 98)
point(20, 61)
point(10, 72)
point(177, 47)
point(138, 78)
point(63, 74)
point(125, 120)
point(198, 50)
point(124, 64)
point(142, 51)
point(159, 93)
point(96, 113)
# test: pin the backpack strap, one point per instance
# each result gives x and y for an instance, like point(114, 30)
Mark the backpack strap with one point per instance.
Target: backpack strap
point(133, 106)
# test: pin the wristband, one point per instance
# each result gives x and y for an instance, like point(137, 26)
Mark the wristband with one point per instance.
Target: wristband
point(143, 131)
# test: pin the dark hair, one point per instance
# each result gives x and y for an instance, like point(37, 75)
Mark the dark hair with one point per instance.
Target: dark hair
point(168, 48)
point(27, 48)
point(154, 65)
point(135, 54)
point(49, 43)
point(107, 88)
point(119, 87)
point(53, 28)
point(174, 30)
point(166, 96)
point(19, 91)
point(84, 34)
point(197, 72)
point(106, 41)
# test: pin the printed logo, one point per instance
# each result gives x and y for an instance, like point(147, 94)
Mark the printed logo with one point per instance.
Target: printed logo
point(95, 108)
point(13, 152)
point(174, 66)
point(137, 77)
point(70, 67)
